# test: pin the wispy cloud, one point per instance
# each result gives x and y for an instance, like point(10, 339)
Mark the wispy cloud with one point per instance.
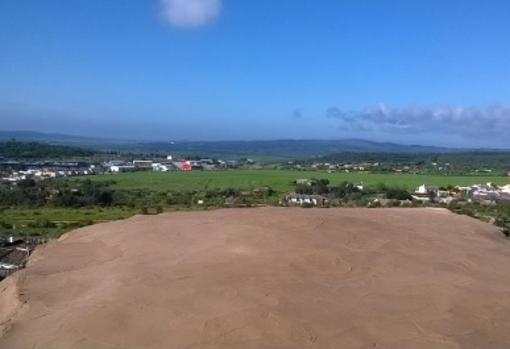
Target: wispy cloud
point(190, 13)
point(297, 114)
point(466, 122)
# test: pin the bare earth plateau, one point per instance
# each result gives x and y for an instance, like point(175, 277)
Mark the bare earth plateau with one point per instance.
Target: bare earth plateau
point(266, 278)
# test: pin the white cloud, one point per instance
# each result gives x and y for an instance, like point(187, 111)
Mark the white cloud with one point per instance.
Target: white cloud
point(190, 13)
point(491, 122)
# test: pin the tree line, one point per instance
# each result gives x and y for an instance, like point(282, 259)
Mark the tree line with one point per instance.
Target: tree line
point(21, 150)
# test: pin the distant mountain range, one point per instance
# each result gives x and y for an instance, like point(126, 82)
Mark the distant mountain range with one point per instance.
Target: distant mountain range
point(57, 138)
point(290, 148)
point(272, 148)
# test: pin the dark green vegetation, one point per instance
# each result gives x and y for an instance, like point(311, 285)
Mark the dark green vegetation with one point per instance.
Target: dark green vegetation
point(50, 207)
point(85, 193)
point(348, 194)
point(279, 180)
point(457, 163)
point(18, 150)
point(51, 222)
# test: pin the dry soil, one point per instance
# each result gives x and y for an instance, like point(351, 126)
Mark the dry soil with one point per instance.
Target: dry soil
point(266, 278)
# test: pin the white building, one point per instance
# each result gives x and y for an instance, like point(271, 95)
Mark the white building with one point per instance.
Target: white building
point(425, 193)
point(506, 189)
point(121, 168)
point(162, 167)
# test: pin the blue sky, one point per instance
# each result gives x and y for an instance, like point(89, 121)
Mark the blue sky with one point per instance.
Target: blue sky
point(429, 72)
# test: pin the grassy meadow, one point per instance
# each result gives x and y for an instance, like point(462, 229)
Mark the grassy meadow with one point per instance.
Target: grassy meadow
point(52, 222)
point(279, 180)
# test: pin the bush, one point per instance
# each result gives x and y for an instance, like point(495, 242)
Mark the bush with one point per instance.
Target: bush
point(179, 198)
point(304, 189)
point(397, 194)
point(374, 204)
point(5, 225)
point(345, 189)
point(85, 223)
point(42, 223)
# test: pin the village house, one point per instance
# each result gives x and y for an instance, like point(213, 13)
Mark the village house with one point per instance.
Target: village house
point(119, 167)
point(445, 197)
point(163, 167)
point(232, 163)
point(490, 193)
point(122, 168)
point(425, 193)
point(142, 164)
point(306, 200)
point(183, 165)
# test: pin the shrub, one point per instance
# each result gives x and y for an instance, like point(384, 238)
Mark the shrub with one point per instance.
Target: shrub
point(398, 194)
point(42, 223)
point(5, 225)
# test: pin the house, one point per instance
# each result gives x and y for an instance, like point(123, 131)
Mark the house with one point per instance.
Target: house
point(196, 165)
point(117, 166)
point(163, 167)
point(505, 196)
point(306, 200)
point(142, 164)
point(485, 195)
point(505, 189)
point(425, 193)
point(209, 167)
point(121, 168)
point(489, 193)
point(183, 165)
point(445, 197)
point(206, 161)
point(232, 163)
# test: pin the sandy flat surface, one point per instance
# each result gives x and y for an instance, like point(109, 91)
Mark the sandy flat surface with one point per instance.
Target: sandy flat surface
point(266, 278)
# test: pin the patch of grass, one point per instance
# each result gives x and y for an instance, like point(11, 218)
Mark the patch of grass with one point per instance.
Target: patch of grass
point(52, 222)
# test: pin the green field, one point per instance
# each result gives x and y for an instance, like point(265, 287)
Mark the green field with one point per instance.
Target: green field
point(51, 222)
point(279, 180)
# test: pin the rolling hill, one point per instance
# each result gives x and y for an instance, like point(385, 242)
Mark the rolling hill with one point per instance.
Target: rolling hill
point(287, 148)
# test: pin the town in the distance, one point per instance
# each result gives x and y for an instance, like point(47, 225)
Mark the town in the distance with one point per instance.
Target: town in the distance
point(47, 189)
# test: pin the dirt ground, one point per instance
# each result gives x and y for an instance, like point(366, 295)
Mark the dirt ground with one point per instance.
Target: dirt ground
point(266, 278)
